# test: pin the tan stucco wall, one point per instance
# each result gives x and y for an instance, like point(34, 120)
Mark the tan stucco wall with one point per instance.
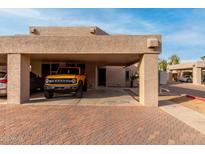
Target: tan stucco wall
point(66, 31)
point(36, 67)
point(181, 66)
point(115, 76)
point(77, 44)
point(197, 78)
point(149, 80)
point(200, 64)
point(18, 87)
point(187, 65)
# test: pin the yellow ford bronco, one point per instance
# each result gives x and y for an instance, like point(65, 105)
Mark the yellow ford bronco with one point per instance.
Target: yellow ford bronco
point(66, 80)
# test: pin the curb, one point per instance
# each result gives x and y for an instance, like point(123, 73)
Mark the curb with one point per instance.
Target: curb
point(195, 97)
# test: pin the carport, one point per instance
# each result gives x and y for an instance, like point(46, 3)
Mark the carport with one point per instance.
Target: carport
point(88, 45)
point(197, 69)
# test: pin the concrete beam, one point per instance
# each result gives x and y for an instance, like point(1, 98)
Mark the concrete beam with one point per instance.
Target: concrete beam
point(18, 88)
point(78, 44)
point(197, 79)
point(149, 80)
point(182, 66)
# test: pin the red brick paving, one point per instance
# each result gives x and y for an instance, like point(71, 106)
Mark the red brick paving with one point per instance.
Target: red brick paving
point(67, 124)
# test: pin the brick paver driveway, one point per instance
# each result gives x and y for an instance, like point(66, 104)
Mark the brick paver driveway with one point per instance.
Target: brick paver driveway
point(70, 124)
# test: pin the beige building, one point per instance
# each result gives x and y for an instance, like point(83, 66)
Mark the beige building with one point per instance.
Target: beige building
point(196, 69)
point(105, 58)
point(120, 76)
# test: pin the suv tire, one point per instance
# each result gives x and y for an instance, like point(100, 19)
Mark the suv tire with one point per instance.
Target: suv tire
point(48, 94)
point(189, 80)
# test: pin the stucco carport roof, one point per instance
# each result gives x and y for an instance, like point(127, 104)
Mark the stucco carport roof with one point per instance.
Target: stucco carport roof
point(187, 65)
point(106, 49)
point(105, 59)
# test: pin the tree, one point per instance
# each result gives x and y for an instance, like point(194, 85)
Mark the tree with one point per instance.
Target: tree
point(162, 65)
point(174, 59)
point(203, 58)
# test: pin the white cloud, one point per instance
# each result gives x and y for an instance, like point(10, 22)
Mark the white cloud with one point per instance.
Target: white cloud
point(29, 13)
point(183, 33)
point(110, 20)
point(113, 21)
point(186, 38)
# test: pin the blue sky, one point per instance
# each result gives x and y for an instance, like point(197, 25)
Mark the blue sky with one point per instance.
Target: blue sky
point(183, 30)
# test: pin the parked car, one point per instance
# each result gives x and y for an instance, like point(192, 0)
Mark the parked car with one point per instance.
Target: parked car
point(36, 82)
point(3, 83)
point(67, 80)
point(186, 78)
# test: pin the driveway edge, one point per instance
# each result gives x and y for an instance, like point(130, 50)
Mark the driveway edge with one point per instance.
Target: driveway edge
point(190, 117)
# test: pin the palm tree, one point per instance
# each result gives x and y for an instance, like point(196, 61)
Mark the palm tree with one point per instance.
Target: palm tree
point(162, 65)
point(203, 58)
point(174, 59)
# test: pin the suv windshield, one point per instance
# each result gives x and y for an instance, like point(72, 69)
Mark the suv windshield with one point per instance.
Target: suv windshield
point(2, 74)
point(68, 71)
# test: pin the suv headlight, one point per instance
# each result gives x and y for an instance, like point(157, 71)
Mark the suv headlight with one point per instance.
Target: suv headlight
point(47, 81)
point(73, 81)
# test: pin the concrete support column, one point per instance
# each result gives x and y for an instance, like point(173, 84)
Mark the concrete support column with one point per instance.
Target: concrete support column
point(197, 75)
point(149, 80)
point(18, 88)
point(91, 72)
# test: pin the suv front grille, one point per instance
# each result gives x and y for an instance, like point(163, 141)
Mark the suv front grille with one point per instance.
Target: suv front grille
point(60, 81)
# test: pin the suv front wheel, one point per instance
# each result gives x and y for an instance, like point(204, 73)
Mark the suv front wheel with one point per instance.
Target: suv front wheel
point(48, 94)
point(189, 80)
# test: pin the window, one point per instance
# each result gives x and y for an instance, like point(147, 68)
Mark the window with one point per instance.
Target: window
point(127, 75)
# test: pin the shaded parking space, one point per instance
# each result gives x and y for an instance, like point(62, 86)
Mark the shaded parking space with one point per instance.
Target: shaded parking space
point(67, 124)
point(100, 96)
